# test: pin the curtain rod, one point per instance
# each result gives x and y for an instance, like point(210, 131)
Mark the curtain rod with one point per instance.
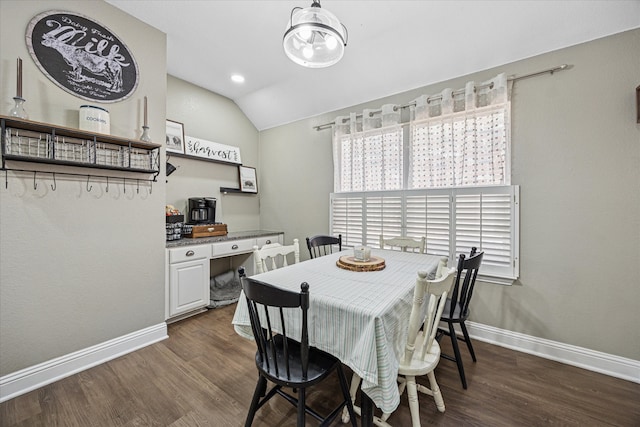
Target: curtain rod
point(457, 92)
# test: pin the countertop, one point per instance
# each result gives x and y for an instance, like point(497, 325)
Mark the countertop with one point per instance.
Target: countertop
point(235, 235)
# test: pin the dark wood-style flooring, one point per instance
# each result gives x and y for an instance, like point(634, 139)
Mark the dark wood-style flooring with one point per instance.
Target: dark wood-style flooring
point(204, 375)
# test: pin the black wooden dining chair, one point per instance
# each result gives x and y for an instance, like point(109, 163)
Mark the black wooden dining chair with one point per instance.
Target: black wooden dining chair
point(456, 310)
point(323, 245)
point(284, 360)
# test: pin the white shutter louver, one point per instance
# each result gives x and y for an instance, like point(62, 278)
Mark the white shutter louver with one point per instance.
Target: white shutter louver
point(384, 217)
point(429, 215)
point(346, 219)
point(485, 218)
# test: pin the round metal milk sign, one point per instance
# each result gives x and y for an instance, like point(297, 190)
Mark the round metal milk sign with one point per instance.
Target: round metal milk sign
point(82, 56)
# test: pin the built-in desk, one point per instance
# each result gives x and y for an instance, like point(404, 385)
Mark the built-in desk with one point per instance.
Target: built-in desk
point(189, 267)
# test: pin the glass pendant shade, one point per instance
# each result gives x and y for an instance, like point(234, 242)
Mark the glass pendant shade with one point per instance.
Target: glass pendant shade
point(315, 38)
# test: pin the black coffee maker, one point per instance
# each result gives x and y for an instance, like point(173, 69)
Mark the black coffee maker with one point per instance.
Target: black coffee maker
point(202, 210)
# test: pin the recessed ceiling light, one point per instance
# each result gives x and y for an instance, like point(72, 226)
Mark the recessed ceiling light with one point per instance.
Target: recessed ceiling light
point(237, 78)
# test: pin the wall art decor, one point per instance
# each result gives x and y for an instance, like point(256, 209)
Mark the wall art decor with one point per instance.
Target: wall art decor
point(82, 56)
point(212, 150)
point(248, 179)
point(175, 137)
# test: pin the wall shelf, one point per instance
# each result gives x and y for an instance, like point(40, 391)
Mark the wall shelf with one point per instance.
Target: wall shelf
point(43, 143)
point(204, 159)
point(227, 190)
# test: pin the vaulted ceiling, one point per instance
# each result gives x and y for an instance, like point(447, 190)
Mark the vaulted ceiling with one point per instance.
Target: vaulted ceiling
point(393, 46)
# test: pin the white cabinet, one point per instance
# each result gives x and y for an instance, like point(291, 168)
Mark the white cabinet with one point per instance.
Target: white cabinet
point(188, 279)
point(188, 271)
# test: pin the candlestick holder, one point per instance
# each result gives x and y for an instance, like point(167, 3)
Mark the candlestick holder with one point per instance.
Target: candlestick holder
point(18, 109)
point(145, 134)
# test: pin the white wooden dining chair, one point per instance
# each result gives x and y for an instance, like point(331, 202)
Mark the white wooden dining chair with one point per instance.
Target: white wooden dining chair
point(406, 244)
point(274, 255)
point(422, 352)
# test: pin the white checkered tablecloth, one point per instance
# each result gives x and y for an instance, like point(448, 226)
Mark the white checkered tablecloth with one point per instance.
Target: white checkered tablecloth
point(359, 317)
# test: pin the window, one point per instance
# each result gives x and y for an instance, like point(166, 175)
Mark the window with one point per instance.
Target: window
point(446, 178)
point(453, 220)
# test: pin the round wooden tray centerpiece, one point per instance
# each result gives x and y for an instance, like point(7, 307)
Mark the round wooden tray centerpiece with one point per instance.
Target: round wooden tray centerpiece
point(350, 263)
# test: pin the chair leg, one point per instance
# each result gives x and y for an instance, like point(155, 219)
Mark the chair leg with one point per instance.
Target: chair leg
point(301, 406)
point(261, 388)
point(402, 384)
point(355, 382)
point(435, 391)
point(347, 396)
point(456, 351)
point(412, 395)
point(467, 339)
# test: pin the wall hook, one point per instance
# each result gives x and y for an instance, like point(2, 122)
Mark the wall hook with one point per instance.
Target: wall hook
point(54, 185)
point(124, 185)
point(138, 186)
point(35, 185)
point(88, 186)
point(150, 187)
point(6, 179)
point(107, 184)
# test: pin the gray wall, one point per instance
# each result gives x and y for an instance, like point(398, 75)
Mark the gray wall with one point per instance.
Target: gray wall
point(78, 268)
point(212, 117)
point(576, 156)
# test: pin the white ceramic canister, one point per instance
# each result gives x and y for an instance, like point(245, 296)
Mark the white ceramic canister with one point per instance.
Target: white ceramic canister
point(94, 119)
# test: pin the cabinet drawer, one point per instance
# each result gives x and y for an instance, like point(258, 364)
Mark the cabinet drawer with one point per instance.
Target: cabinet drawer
point(232, 247)
point(265, 240)
point(189, 253)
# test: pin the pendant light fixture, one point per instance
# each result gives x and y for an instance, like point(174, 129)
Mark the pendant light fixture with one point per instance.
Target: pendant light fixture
point(315, 38)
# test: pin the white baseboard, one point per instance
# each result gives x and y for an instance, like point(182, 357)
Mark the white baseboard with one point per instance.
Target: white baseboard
point(596, 361)
point(31, 378)
point(34, 377)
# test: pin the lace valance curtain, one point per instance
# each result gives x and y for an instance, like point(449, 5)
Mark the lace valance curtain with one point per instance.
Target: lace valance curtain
point(461, 138)
point(457, 138)
point(367, 150)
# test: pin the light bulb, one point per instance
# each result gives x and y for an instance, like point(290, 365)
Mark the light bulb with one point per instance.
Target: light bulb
point(307, 52)
point(332, 42)
point(305, 33)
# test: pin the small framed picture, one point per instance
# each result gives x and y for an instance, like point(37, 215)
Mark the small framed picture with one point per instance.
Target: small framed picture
point(248, 179)
point(175, 137)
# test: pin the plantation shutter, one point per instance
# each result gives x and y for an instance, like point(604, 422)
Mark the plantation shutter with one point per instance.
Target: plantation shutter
point(384, 217)
point(429, 215)
point(487, 219)
point(347, 219)
point(452, 220)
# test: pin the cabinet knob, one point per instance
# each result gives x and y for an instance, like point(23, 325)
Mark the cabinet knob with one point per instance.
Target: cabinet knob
point(234, 247)
point(268, 241)
point(190, 253)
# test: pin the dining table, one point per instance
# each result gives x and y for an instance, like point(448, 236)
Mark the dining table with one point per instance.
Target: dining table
point(359, 316)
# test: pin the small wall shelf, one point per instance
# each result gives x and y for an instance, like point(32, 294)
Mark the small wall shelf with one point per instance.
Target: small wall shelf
point(227, 190)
